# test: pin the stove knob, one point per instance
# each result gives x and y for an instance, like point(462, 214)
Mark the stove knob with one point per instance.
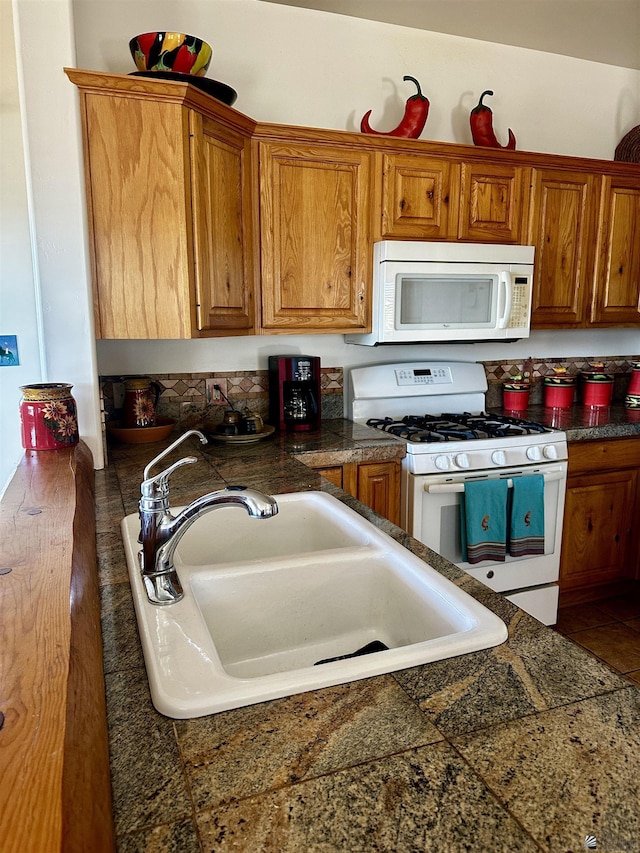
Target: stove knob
point(534, 454)
point(550, 451)
point(462, 460)
point(498, 457)
point(442, 463)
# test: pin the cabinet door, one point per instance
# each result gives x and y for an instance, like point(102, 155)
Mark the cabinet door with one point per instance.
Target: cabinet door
point(379, 488)
point(598, 529)
point(491, 202)
point(222, 227)
point(136, 162)
point(419, 197)
point(617, 291)
point(562, 228)
point(315, 238)
point(333, 473)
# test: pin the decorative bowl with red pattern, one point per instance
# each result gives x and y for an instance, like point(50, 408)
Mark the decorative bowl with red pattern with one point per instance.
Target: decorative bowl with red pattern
point(167, 51)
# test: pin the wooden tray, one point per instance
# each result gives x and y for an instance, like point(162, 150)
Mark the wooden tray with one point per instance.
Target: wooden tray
point(243, 439)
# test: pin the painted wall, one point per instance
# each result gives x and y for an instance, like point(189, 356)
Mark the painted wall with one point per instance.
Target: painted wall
point(44, 288)
point(18, 315)
point(304, 67)
point(313, 68)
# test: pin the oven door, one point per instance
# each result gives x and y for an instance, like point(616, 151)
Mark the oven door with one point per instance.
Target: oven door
point(431, 513)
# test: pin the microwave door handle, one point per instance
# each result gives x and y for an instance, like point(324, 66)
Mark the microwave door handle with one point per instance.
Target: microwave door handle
point(450, 488)
point(506, 287)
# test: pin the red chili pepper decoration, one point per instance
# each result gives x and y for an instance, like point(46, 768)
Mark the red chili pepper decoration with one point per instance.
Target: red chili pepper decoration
point(415, 117)
point(185, 59)
point(482, 126)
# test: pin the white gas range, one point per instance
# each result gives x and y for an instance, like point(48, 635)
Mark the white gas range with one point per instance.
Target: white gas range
point(438, 409)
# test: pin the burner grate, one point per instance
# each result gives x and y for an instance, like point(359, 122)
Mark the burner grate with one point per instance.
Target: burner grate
point(456, 426)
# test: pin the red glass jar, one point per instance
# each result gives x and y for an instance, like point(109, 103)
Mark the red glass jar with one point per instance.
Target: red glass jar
point(48, 416)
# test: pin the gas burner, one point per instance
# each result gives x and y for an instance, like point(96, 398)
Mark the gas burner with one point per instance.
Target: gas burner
point(489, 425)
point(462, 426)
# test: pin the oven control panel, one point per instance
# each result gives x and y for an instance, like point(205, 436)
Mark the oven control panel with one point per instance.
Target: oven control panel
point(440, 375)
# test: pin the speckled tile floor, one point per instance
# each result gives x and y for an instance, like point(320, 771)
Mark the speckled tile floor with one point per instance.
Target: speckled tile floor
point(609, 628)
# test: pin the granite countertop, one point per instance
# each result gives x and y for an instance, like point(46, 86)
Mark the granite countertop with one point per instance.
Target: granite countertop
point(583, 423)
point(529, 746)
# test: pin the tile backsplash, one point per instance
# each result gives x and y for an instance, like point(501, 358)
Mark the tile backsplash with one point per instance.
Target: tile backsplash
point(184, 395)
point(499, 371)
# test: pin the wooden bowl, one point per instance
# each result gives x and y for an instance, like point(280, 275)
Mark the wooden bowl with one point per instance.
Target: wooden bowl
point(141, 435)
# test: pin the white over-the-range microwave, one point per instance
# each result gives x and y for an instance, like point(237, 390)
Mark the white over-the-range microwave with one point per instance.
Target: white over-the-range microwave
point(427, 292)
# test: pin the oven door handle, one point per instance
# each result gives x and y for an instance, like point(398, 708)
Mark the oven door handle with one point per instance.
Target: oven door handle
point(449, 488)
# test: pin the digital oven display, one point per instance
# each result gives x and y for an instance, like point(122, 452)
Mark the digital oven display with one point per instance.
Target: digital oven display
point(423, 376)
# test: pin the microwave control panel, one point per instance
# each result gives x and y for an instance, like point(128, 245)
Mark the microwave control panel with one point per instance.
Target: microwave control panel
point(519, 315)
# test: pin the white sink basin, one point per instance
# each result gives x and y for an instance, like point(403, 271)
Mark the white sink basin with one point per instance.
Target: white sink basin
point(267, 600)
point(305, 522)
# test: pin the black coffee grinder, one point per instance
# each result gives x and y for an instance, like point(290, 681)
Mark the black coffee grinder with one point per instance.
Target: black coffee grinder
point(294, 392)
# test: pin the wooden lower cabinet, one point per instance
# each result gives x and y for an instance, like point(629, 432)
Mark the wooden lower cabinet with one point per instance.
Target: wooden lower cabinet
point(600, 535)
point(376, 484)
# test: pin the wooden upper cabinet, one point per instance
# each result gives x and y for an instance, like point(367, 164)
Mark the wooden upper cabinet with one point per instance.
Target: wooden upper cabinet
point(433, 198)
point(419, 197)
point(562, 228)
point(170, 206)
point(617, 283)
point(136, 163)
point(222, 226)
point(204, 222)
point(315, 238)
point(492, 202)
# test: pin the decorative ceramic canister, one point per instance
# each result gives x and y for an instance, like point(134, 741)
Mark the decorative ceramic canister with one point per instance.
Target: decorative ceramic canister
point(49, 416)
point(140, 400)
point(634, 380)
point(559, 391)
point(597, 386)
point(515, 395)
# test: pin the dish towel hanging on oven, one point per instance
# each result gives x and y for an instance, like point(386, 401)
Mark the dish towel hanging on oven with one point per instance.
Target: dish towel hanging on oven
point(526, 519)
point(483, 521)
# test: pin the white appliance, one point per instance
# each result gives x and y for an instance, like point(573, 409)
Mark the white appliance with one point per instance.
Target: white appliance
point(438, 409)
point(442, 292)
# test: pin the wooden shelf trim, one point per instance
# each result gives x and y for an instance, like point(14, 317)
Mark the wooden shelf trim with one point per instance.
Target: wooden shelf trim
point(54, 756)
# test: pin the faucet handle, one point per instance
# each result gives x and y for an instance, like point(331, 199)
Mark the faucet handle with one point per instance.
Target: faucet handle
point(171, 447)
point(156, 489)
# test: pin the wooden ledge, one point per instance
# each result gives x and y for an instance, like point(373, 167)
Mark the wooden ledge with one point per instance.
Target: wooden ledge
point(54, 758)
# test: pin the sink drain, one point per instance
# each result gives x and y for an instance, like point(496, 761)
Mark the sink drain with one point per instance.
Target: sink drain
point(369, 649)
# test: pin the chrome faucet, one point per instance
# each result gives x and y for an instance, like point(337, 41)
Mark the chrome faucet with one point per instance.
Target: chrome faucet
point(160, 531)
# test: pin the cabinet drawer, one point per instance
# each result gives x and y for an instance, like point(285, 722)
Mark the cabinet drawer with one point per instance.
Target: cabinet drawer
point(611, 454)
